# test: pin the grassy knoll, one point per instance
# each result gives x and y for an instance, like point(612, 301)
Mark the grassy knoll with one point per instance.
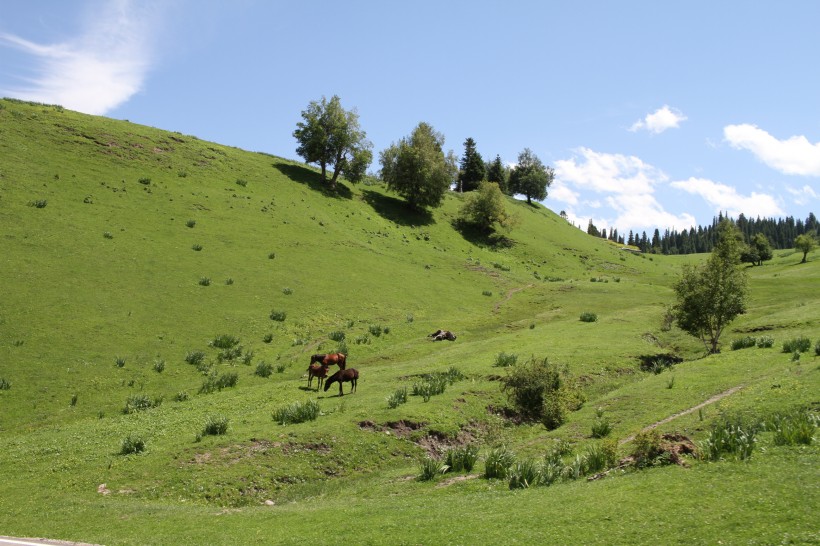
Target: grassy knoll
point(128, 251)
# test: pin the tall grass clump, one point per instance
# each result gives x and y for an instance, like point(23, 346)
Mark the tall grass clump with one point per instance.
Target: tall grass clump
point(743, 343)
point(799, 344)
point(461, 459)
point(297, 412)
point(734, 436)
point(278, 315)
point(195, 358)
point(204, 281)
point(140, 402)
point(119, 361)
point(817, 348)
point(337, 335)
point(601, 427)
point(765, 342)
point(498, 462)
point(600, 456)
point(264, 369)
point(159, 365)
point(190, 223)
point(525, 474)
point(588, 317)
point(397, 398)
point(217, 383)
point(502, 360)
point(224, 341)
point(795, 427)
point(132, 444)
point(4, 384)
point(215, 426)
point(430, 468)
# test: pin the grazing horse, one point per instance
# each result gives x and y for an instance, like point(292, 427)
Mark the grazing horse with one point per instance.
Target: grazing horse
point(342, 376)
point(319, 371)
point(329, 359)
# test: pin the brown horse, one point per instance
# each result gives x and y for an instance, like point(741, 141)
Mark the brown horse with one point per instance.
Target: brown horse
point(330, 359)
point(342, 376)
point(319, 371)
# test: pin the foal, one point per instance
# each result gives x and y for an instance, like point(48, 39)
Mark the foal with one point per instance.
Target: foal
point(319, 371)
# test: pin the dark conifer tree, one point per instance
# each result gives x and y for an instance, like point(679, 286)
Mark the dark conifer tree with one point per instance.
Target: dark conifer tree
point(471, 170)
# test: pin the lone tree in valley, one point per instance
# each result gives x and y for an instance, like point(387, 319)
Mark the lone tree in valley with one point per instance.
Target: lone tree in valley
point(471, 170)
point(711, 295)
point(331, 136)
point(805, 243)
point(530, 177)
point(758, 251)
point(417, 169)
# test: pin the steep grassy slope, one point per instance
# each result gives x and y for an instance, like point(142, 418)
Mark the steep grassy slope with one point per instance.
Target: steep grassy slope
point(107, 269)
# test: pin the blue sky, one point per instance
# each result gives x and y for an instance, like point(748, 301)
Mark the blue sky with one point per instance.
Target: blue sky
point(653, 114)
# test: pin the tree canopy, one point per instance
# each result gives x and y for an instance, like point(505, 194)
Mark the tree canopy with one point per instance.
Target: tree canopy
point(331, 136)
point(485, 208)
point(471, 169)
point(711, 295)
point(805, 243)
point(530, 177)
point(498, 173)
point(417, 168)
point(758, 251)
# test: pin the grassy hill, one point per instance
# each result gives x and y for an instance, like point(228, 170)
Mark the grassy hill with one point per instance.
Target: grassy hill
point(126, 250)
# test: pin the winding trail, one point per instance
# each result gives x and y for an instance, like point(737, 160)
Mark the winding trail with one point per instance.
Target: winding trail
point(509, 295)
point(711, 400)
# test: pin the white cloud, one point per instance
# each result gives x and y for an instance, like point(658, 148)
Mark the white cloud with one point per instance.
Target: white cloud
point(796, 155)
point(95, 71)
point(804, 195)
point(660, 120)
point(727, 199)
point(628, 185)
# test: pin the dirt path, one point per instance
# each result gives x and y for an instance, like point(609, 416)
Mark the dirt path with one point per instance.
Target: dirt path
point(509, 295)
point(693, 409)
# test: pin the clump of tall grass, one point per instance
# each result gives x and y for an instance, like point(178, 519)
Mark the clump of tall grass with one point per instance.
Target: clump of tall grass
point(502, 360)
point(297, 412)
point(487, 293)
point(132, 444)
point(429, 387)
point(107, 235)
point(461, 459)
point(268, 338)
point(204, 281)
point(145, 181)
point(196, 247)
point(287, 291)
point(397, 398)
point(181, 396)
point(38, 203)
point(159, 365)
point(140, 402)
point(526, 473)
point(430, 468)
point(119, 361)
point(215, 425)
point(600, 456)
point(799, 344)
point(730, 436)
point(4, 384)
point(765, 342)
point(498, 462)
point(793, 427)
point(601, 427)
point(278, 315)
point(337, 335)
point(264, 369)
point(224, 341)
point(817, 348)
point(375, 330)
point(587, 316)
point(217, 383)
point(363, 339)
point(190, 223)
point(646, 449)
point(743, 343)
point(195, 358)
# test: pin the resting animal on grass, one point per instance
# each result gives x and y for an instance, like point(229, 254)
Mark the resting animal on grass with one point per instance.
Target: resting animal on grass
point(319, 371)
point(342, 376)
point(439, 335)
point(329, 359)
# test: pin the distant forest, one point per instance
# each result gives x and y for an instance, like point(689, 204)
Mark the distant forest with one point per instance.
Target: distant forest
point(781, 233)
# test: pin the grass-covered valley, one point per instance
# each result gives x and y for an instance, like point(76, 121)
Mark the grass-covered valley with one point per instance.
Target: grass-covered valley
point(131, 254)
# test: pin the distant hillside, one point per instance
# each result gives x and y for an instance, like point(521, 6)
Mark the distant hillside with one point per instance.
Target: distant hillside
point(162, 297)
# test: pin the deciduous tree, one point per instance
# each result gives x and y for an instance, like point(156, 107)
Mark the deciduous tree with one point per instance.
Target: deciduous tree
point(530, 177)
point(417, 168)
point(485, 208)
point(805, 243)
point(331, 136)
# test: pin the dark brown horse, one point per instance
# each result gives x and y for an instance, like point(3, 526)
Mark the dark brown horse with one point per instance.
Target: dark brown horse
point(319, 371)
point(342, 376)
point(330, 359)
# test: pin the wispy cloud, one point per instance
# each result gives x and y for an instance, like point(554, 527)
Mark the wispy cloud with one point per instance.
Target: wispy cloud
point(795, 155)
point(660, 120)
point(727, 199)
point(627, 185)
point(96, 71)
point(804, 195)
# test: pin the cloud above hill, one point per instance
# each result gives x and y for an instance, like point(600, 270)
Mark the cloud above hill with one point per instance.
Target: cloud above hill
point(660, 120)
point(795, 155)
point(727, 199)
point(95, 71)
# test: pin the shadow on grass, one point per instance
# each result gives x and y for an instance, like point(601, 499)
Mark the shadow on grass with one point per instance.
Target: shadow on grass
point(311, 178)
point(482, 237)
point(396, 210)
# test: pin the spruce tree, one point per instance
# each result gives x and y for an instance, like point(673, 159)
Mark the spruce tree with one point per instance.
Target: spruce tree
point(471, 169)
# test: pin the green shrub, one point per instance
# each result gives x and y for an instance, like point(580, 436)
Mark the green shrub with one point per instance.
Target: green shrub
point(224, 341)
point(498, 462)
point(729, 436)
point(765, 342)
point(398, 398)
point(540, 391)
point(140, 402)
point(264, 369)
point(487, 293)
point(817, 348)
point(38, 203)
point(131, 445)
point(798, 344)
point(375, 330)
point(228, 281)
point(503, 360)
point(278, 315)
point(195, 358)
point(796, 356)
point(204, 281)
point(107, 235)
point(73, 401)
point(429, 468)
point(280, 368)
point(363, 339)
point(588, 317)
point(190, 223)
point(461, 459)
point(524, 474)
point(4, 384)
point(241, 182)
point(601, 456)
point(601, 427)
point(196, 247)
point(119, 361)
point(337, 335)
point(297, 412)
point(215, 426)
point(181, 396)
point(576, 467)
point(217, 383)
point(145, 181)
point(272, 255)
point(743, 343)
point(287, 291)
point(793, 427)
point(646, 448)
point(268, 338)
point(159, 366)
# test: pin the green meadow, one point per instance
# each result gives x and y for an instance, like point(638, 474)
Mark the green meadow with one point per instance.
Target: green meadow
point(154, 284)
